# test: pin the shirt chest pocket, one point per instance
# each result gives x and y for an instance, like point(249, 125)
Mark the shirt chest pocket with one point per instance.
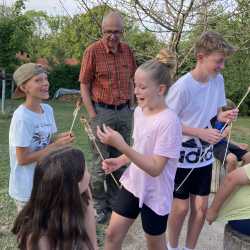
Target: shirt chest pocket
point(103, 74)
point(125, 71)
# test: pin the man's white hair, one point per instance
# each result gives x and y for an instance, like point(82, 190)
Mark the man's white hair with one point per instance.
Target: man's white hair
point(112, 14)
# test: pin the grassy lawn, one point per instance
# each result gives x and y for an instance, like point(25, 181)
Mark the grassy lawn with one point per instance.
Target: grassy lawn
point(64, 117)
point(63, 113)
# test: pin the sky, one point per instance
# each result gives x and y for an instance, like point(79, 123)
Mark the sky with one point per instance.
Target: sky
point(52, 7)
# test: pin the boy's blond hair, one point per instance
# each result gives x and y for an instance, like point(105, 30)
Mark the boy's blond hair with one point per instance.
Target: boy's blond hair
point(210, 42)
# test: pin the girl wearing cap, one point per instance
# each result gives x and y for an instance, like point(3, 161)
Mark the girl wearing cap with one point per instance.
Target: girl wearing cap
point(31, 130)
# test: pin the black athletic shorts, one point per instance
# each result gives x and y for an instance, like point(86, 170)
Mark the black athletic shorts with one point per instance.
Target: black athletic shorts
point(127, 205)
point(220, 149)
point(197, 183)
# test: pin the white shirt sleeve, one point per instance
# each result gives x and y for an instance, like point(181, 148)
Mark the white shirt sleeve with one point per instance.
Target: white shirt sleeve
point(54, 128)
point(176, 98)
point(22, 133)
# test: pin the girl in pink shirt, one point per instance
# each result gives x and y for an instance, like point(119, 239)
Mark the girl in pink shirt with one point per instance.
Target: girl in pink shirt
point(148, 183)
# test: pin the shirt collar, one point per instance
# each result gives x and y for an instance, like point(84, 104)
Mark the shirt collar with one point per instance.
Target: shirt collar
point(103, 41)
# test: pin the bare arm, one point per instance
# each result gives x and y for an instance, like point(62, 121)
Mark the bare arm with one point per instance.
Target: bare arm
point(90, 223)
point(209, 135)
point(234, 179)
point(26, 156)
point(152, 165)
point(87, 100)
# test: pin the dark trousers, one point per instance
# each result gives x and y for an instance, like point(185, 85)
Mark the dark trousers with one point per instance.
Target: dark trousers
point(241, 226)
point(121, 121)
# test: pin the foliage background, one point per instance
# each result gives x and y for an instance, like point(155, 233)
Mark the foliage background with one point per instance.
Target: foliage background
point(57, 38)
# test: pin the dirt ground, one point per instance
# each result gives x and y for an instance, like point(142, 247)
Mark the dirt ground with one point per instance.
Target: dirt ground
point(211, 237)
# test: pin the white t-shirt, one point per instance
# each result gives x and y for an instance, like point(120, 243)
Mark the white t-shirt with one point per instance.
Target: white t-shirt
point(31, 130)
point(196, 104)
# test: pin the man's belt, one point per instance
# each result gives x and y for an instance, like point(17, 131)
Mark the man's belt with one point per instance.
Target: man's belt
point(110, 106)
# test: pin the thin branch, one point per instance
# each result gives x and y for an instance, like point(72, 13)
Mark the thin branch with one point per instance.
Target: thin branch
point(155, 18)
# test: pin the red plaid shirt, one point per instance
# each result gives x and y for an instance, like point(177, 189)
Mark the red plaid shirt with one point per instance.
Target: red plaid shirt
point(109, 75)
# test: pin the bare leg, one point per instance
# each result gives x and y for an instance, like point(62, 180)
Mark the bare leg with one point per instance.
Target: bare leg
point(246, 158)
point(198, 205)
point(156, 242)
point(175, 221)
point(231, 162)
point(116, 231)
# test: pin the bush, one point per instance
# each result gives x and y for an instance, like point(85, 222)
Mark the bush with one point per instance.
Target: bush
point(64, 76)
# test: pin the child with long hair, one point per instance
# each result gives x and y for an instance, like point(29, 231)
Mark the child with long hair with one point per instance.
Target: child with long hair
point(59, 214)
point(147, 184)
point(31, 130)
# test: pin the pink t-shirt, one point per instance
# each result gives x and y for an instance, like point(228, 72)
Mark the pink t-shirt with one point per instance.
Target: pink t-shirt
point(159, 134)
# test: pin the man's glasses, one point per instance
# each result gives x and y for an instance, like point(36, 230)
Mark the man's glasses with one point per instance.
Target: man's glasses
point(112, 32)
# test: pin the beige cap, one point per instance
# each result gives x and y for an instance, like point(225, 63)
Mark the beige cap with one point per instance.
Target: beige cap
point(23, 74)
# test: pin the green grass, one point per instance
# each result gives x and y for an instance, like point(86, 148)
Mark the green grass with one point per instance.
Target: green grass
point(63, 114)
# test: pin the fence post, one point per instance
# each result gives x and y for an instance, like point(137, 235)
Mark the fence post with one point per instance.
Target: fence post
point(3, 89)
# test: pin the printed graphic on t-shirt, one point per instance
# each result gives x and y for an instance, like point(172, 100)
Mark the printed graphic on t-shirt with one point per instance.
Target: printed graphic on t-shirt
point(41, 137)
point(191, 152)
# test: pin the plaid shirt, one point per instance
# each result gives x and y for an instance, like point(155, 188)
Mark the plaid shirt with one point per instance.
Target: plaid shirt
point(108, 75)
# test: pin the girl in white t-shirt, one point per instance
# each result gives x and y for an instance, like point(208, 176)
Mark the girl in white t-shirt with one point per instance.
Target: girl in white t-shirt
point(147, 184)
point(31, 130)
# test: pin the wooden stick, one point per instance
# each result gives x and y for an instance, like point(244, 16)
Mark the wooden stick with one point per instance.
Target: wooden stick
point(201, 157)
point(241, 101)
point(243, 98)
point(92, 137)
point(75, 112)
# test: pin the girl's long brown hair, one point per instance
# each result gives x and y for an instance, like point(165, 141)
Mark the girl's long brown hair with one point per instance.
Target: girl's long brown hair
point(56, 208)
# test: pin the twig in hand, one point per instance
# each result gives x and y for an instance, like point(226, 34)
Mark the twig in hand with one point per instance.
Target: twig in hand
point(243, 98)
point(75, 113)
point(93, 139)
point(241, 101)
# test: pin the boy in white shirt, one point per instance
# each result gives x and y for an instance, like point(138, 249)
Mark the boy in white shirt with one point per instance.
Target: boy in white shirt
point(31, 129)
point(197, 97)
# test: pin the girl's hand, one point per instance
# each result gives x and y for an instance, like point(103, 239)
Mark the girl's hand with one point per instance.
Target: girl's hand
point(111, 164)
point(228, 116)
point(110, 137)
point(211, 215)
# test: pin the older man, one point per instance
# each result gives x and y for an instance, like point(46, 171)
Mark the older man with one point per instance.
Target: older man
point(107, 70)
